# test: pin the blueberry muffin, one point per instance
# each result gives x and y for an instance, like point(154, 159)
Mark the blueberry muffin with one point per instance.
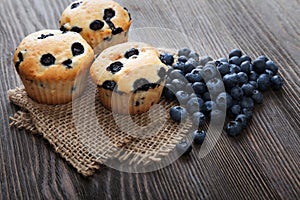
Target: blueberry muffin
point(102, 23)
point(53, 65)
point(130, 77)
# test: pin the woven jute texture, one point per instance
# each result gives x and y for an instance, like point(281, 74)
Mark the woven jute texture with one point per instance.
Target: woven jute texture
point(87, 135)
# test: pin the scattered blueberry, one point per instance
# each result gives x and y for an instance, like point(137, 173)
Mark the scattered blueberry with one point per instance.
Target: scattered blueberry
point(194, 76)
point(194, 55)
point(194, 105)
point(242, 119)
point(248, 89)
point(253, 76)
point(230, 80)
point(204, 60)
point(209, 72)
point(257, 96)
point(178, 114)
point(184, 52)
point(179, 65)
point(264, 58)
point(235, 60)
point(243, 78)
point(235, 52)
point(224, 68)
point(247, 102)
point(199, 137)
point(237, 93)
point(264, 82)
point(233, 128)
point(246, 67)
point(244, 58)
point(183, 59)
point(182, 97)
point(207, 107)
point(277, 82)
point(167, 58)
point(235, 110)
point(188, 67)
point(198, 119)
point(184, 147)
point(270, 65)
point(199, 88)
point(168, 92)
point(259, 66)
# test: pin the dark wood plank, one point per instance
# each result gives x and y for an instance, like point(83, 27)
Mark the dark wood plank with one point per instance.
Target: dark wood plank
point(262, 164)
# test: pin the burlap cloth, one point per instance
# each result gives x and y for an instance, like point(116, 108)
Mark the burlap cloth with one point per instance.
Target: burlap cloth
point(87, 135)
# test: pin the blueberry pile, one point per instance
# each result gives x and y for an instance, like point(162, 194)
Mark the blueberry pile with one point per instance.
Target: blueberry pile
point(207, 89)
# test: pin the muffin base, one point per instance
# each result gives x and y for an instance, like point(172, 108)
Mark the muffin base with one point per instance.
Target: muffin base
point(132, 103)
point(59, 92)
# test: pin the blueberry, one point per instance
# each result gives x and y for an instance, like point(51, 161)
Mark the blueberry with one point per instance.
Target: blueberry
point(264, 58)
point(224, 100)
point(209, 72)
point(117, 31)
point(128, 13)
point(234, 68)
point(168, 92)
point(237, 93)
point(222, 60)
point(233, 128)
point(230, 80)
point(76, 29)
point(179, 65)
point(131, 52)
point(162, 73)
point(264, 82)
point(206, 96)
point(204, 60)
point(178, 84)
point(45, 36)
point(184, 52)
point(245, 67)
point(194, 55)
point(217, 117)
point(242, 119)
point(108, 14)
point(207, 107)
point(67, 63)
point(277, 82)
point(235, 52)
point(269, 72)
point(96, 25)
point(47, 59)
point(247, 102)
point(248, 89)
point(257, 96)
point(235, 110)
point(176, 74)
point(77, 49)
point(115, 67)
point(253, 76)
point(194, 76)
point(178, 114)
point(248, 112)
point(215, 86)
point(199, 137)
point(75, 5)
point(254, 83)
point(188, 67)
point(141, 84)
point(224, 68)
point(259, 66)
point(270, 65)
point(167, 58)
point(194, 105)
point(199, 88)
point(183, 59)
point(198, 119)
point(184, 147)
point(109, 85)
point(235, 60)
point(243, 78)
point(182, 97)
point(245, 58)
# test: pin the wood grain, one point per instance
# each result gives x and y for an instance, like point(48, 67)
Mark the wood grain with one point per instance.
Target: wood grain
point(261, 164)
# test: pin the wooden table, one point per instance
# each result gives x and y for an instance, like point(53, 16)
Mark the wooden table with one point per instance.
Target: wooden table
point(261, 164)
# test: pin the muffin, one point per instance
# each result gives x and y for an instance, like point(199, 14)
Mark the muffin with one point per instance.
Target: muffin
point(130, 77)
point(53, 65)
point(102, 23)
